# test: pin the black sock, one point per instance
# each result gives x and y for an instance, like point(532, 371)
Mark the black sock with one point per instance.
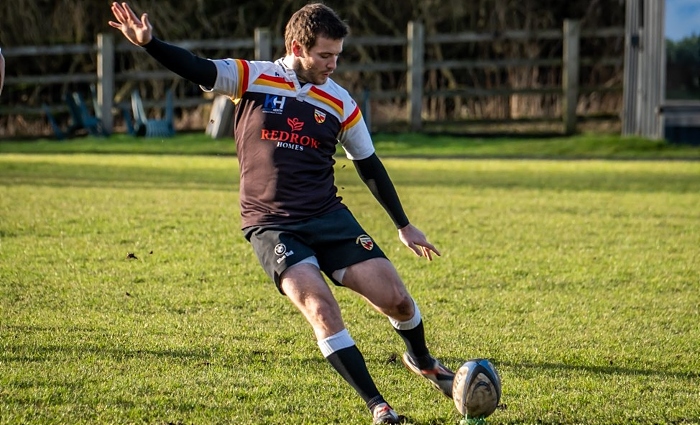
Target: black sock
point(415, 345)
point(350, 364)
point(374, 402)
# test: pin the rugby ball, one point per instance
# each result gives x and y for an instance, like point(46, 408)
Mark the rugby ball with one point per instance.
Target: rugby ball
point(476, 389)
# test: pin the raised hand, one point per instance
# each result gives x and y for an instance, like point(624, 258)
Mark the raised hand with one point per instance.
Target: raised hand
point(416, 241)
point(138, 31)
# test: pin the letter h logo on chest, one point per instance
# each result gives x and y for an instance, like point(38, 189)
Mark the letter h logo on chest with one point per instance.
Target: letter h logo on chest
point(274, 102)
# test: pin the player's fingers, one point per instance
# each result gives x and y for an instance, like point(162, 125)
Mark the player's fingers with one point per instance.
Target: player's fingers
point(415, 248)
point(118, 12)
point(130, 13)
point(426, 253)
point(427, 245)
point(144, 19)
point(431, 247)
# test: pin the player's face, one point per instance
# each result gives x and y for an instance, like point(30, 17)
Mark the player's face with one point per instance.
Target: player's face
point(318, 63)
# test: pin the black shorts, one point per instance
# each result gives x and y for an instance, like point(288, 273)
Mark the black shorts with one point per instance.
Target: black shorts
point(336, 240)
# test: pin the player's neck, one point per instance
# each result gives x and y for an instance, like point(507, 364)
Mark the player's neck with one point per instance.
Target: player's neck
point(289, 63)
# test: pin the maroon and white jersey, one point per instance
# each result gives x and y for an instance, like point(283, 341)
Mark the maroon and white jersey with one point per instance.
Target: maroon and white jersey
point(286, 135)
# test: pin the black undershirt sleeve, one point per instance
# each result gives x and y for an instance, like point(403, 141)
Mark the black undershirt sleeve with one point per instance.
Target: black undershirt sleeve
point(183, 62)
point(374, 175)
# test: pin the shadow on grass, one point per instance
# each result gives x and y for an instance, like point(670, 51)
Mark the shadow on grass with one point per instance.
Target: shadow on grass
point(77, 342)
point(201, 357)
point(604, 370)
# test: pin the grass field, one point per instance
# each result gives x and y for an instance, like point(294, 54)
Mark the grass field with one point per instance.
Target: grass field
point(580, 279)
point(585, 146)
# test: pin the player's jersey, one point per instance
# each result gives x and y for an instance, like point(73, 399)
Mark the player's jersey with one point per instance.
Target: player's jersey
point(286, 135)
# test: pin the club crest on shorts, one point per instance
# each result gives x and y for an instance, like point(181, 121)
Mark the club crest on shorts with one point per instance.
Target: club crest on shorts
point(282, 252)
point(365, 241)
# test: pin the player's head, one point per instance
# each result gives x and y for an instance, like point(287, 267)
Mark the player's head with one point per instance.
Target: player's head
point(312, 21)
point(314, 39)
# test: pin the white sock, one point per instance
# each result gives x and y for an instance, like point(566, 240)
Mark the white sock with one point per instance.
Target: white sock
point(335, 342)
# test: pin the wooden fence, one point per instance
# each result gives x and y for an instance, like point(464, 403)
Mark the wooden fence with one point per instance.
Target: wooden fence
point(415, 66)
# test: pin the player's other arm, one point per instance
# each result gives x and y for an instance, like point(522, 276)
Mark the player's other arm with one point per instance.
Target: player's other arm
point(181, 61)
point(375, 176)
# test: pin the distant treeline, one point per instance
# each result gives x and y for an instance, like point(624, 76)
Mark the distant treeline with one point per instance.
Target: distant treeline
point(41, 22)
point(34, 22)
point(683, 68)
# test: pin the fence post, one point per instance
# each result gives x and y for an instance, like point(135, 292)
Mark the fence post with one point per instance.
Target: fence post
point(654, 67)
point(414, 76)
point(105, 80)
point(630, 105)
point(263, 44)
point(570, 77)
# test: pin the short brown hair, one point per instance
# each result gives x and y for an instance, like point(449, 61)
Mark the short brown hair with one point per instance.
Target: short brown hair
point(312, 21)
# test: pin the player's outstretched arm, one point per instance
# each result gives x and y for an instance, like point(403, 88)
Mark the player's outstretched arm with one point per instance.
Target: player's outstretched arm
point(181, 61)
point(137, 31)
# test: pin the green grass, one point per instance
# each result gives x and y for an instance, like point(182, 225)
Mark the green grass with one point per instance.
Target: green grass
point(586, 146)
point(578, 278)
point(182, 144)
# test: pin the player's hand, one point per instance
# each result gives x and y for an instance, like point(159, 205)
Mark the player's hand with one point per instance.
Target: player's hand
point(138, 31)
point(416, 241)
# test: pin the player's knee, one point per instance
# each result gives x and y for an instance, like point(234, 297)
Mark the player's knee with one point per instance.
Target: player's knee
point(405, 306)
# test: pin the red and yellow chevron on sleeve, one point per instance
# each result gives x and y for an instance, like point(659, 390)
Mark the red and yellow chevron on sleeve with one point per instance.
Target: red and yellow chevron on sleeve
point(335, 103)
point(243, 76)
point(353, 119)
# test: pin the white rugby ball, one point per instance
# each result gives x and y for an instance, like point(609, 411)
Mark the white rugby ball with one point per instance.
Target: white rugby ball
point(476, 389)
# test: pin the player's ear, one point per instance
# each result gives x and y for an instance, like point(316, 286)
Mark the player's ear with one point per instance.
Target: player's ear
point(297, 49)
